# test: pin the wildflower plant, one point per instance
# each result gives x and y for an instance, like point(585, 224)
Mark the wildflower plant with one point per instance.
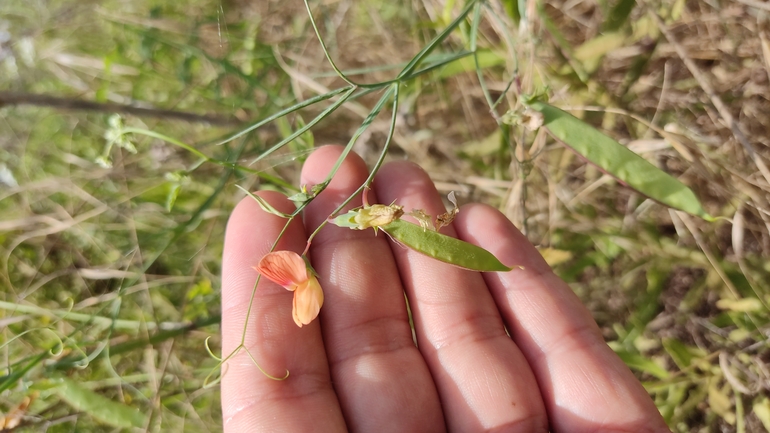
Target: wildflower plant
point(529, 114)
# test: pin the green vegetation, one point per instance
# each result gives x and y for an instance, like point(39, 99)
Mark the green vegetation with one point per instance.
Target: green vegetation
point(127, 128)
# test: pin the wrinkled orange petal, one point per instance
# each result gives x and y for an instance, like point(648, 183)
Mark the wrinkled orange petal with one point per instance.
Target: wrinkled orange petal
point(285, 268)
point(308, 299)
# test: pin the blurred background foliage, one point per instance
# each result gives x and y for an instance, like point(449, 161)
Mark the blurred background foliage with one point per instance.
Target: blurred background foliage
point(110, 241)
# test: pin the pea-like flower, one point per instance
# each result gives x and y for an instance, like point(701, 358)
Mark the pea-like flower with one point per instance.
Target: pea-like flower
point(288, 269)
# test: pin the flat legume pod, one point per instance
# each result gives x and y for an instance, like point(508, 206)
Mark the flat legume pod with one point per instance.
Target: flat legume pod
point(615, 159)
point(444, 248)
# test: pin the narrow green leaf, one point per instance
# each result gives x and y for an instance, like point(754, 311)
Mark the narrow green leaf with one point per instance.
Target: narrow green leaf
point(306, 127)
point(512, 8)
point(444, 248)
point(412, 65)
point(487, 59)
point(616, 160)
point(101, 408)
point(618, 16)
point(393, 89)
point(679, 352)
point(14, 376)
point(306, 140)
point(286, 111)
point(324, 49)
point(264, 204)
point(642, 363)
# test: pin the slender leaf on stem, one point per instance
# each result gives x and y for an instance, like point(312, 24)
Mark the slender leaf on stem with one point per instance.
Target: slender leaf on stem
point(309, 125)
point(375, 169)
point(486, 59)
point(267, 207)
point(436, 62)
point(474, 49)
point(379, 68)
point(446, 72)
point(286, 111)
point(325, 50)
point(388, 139)
point(11, 379)
point(437, 40)
point(616, 160)
point(272, 179)
point(409, 68)
point(368, 121)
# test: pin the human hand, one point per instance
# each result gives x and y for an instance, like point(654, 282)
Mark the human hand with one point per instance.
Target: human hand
point(357, 366)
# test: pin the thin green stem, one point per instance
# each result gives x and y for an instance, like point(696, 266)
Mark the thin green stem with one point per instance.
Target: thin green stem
point(479, 74)
point(256, 282)
point(505, 91)
point(286, 111)
point(364, 126)
point(125, 325)
point(388, 139)
point(507, 35)
point(325, 50)
point(437, 40)
point(438, 60)
point(272, 179)
point(429, 68)
point(375, 169)
point(451, 58)
point(475, 26)
point(309, 125)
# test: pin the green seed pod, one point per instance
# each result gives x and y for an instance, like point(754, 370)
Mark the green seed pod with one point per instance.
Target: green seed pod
point(618, 161)
point(444, 248)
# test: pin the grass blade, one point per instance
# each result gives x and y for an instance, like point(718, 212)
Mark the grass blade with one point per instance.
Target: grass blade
point(639, 362)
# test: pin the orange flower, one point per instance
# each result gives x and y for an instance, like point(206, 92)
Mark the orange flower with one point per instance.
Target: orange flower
point(286, 268)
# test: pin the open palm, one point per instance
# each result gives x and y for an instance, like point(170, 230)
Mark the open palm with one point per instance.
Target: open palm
point(513, 351)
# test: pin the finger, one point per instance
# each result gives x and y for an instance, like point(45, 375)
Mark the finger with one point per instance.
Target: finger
point(586, 387)
point(483, 379)
point(382, 381)
point(250, 400)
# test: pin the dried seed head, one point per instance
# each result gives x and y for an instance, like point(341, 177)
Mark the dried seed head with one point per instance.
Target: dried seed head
point(446, 218)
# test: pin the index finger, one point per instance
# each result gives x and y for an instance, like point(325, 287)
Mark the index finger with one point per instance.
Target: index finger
point(585, 386)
